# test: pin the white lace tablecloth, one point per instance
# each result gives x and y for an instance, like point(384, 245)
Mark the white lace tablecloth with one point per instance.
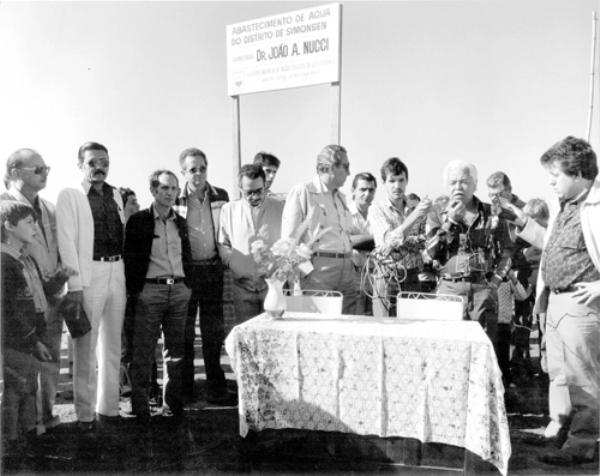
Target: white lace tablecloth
point(431, 380)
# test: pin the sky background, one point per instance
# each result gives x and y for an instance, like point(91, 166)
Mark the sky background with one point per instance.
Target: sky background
point(493, 82)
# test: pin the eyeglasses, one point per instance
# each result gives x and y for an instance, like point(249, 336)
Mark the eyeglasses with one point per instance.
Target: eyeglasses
point(39, 170)
point(95, 163)
point(197, 170)
point(256, 192)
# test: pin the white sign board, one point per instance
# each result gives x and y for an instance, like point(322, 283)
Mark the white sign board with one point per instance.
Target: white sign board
point(289, 50)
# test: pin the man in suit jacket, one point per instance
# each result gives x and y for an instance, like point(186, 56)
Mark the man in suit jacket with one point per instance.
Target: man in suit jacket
point(158, 264)
point(26, 175)
point(200, 204)
point(90, 230)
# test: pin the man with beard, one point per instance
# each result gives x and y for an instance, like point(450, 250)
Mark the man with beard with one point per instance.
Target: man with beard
point(241, 221)
point(90, 233)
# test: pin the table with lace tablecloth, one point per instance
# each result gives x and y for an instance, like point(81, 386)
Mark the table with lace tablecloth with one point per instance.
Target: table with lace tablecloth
point(436, 381)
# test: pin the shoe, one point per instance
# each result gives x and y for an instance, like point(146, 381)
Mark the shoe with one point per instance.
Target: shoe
point(85, 426)
point(52, 423)
point(535, 439)
point(107, 420)
point(221, 397)
point(562, 458)
point(67, 395)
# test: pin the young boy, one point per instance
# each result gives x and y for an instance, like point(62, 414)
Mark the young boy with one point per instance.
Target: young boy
point(22, 320)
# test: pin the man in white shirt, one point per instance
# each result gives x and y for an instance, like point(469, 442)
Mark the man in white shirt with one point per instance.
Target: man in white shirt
point(241, 221)
point(364, 186)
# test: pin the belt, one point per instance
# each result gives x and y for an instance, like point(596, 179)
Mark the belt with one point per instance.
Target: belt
point(456, 279)
point(568, 289)
point(169, 281)
point(109, 259)
point(204, 262)
point(330, 254)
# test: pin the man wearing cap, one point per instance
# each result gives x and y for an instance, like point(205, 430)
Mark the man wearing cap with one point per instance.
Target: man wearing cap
point(158, 265)
point(321, 203)
point(90, 231)
point(241, 222)
point(26, 175)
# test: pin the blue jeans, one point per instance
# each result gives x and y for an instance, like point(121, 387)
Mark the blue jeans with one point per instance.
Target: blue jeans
point(159, 305)
point(20, 384)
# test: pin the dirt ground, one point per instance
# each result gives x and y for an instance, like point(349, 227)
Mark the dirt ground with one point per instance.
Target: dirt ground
point(207, 441)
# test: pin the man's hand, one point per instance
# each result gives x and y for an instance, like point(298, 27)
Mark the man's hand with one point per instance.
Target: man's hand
point(75, 296)
point(587, 293)
point(456, 210)
point(42, 352)
point(520, 218)
point(422, 209)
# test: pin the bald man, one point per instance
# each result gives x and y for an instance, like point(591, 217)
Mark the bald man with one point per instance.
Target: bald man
point(27, 175)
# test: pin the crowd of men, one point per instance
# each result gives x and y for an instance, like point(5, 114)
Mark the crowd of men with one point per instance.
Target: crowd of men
point(137, 273)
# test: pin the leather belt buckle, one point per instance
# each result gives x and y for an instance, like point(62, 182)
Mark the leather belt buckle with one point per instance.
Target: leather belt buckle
point(170, 281)
point(108, 259)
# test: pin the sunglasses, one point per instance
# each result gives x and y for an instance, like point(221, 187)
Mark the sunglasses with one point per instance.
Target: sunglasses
point(196, 170)
point(39, 170)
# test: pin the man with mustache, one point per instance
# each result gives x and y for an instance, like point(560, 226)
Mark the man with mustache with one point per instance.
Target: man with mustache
point(241, 221)
point(466, 241)
point(394, 227)
point(90, 232)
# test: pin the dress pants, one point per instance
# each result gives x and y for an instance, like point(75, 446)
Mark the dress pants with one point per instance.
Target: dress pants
point(207, 295)
point(50, 371)
point(334, 274)
point(389, 293)
point(573, 346)
point(104, 304)
point(248, 304)
point(159, 306)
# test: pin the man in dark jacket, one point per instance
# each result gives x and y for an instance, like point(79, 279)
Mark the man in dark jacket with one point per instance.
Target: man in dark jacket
point(200, 204)
point(158, 263)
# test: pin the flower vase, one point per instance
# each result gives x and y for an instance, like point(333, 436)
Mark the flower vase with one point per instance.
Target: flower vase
point(274, 300)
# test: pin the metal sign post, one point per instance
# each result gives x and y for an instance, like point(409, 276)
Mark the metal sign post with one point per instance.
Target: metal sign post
point(289, 50)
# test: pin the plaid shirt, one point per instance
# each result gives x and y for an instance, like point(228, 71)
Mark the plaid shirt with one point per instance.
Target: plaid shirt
point(384, 218)
point(566, 260)
point(466, 249)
